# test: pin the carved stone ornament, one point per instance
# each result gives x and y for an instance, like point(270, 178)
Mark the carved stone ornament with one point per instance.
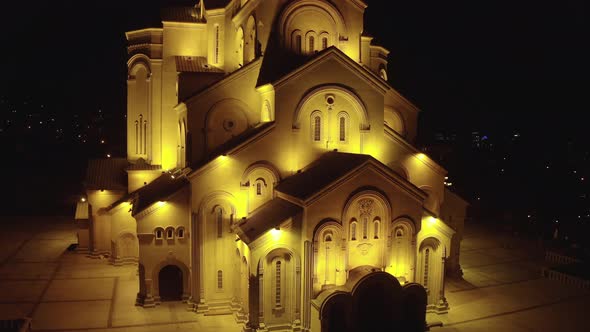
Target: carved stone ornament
point(364, 248)
point(366, 207)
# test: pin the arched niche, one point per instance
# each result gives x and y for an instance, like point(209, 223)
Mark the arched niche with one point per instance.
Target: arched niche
point(329, 255)
point(185, 276)
point(250, 40)
point(239, 47)
point(401, 249)
point(344, 100)
point(259, 179)
point(394, 120)
point(279, 283)
point(226, 119)
point(309, 15)
point(360, 212)
point(429, 270)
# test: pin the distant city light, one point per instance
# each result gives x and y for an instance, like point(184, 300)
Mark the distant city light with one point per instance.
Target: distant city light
point(108, 155)
point(102, 141)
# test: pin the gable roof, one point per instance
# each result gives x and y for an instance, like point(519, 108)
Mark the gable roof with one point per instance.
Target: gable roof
point(106, 174)
point(234, 144)
point(331, 167)
point(179, 14)
point(279, 65)
point(160, 189)
point(194, 64)
point(267, 217)
point(327, 169)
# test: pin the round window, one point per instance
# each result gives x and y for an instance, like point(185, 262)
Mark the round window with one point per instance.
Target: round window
point(228, 125)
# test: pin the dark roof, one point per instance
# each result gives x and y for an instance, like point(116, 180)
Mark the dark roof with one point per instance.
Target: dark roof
point(319, 174)
point(179, 14)
point(267, 217)
point(233, 143)
point(188, 13)
point(213, 4)
point(279, 61)
point(142, 165)
point(158, 190)
point(194, 64)
point(107, 174)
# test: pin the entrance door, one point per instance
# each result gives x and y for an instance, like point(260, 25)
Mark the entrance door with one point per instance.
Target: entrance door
point(170, 283)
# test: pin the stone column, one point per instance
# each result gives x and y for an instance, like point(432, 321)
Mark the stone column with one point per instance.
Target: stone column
point(442, 306)
point(307, 282)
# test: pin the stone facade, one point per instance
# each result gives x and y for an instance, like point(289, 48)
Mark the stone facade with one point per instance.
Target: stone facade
point(268, 160)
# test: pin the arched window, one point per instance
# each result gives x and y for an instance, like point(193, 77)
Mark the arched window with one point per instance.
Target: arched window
point(353, 230)
point(170, 233)
point(219, 279)
point(278, 283)
point(365, 227)
point(317, 125)
point(324, 43)
point(426, 258)
point(376, 229)
point(298, 44)
point(258, 188)
point(342, 129)
point(159, 233)
point(311, 44)
point(219, 222)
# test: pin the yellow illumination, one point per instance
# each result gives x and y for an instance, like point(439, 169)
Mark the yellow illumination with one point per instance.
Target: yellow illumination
point(432, 220)
point(421, 156)
point(161, 203)
point(83, 199)
point(276, 233)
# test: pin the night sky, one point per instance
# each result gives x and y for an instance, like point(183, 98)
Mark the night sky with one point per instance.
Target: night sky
point(496, 67)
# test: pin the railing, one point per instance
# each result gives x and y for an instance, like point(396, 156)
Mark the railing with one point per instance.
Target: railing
point(559, 259)
point(566, 278)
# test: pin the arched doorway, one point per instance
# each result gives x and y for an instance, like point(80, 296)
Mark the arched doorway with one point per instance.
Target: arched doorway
point(170, 283)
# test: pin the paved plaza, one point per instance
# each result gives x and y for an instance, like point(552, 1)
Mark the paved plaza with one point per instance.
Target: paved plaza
point(61, 290)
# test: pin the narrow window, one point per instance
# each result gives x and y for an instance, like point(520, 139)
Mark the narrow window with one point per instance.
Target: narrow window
point(311, 44)
point(376, 229)
point(298, 43)
point(324, 43)
point(217, 44)
point(258, 188)
point(144, 136)
point(353, 231)
point(317, 123)
point(181, 233)
point(159, 234)
point(170, 233)
point(278, 283)
point(219, 222)
point(426, 257)
point(140, 133)
point(219, 279)
point(365, 227)
point(342, 129)
point(136, 136)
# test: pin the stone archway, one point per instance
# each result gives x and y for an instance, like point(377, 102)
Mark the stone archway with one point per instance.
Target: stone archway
point(170, 283)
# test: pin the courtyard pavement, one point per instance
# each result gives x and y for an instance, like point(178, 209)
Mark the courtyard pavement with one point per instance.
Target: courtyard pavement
point(502, 288)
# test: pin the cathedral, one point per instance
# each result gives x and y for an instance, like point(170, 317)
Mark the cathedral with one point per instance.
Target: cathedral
point(270, 169)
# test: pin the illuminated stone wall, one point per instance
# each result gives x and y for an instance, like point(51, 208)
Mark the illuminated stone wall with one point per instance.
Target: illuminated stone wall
point(387, 215)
